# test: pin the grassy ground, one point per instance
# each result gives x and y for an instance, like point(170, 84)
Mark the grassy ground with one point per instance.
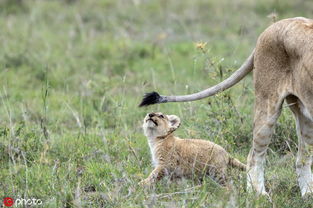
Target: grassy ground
point(73, 72)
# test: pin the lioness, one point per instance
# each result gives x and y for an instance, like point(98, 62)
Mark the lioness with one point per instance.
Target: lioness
point(183, 157)
point(283, 70)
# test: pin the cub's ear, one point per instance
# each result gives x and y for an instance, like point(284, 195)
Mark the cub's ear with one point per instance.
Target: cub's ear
point(174, 122)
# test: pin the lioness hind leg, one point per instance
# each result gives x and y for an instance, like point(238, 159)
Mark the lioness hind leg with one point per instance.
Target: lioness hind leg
point(265, 117)
point(305, 147)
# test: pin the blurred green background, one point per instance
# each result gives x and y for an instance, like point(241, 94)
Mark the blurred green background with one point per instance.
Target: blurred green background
point(73, 73)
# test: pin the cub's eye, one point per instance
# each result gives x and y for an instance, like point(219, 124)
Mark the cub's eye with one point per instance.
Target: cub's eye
point(161, 116)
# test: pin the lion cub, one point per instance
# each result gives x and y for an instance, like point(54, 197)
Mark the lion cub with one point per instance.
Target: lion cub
point(177, 157)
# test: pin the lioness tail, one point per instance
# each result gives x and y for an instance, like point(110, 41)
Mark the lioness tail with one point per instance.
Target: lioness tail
point(246, 67)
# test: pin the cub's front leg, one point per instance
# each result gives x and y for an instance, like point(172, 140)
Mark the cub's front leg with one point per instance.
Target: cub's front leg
point(154, 176)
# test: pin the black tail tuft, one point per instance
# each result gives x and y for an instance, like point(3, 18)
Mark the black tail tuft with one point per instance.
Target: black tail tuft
point(150, 98)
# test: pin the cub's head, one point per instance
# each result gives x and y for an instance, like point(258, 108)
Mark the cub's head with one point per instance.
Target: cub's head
point(159, 124)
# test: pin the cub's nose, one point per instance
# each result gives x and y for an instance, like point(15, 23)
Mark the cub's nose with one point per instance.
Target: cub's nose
point(151, 115)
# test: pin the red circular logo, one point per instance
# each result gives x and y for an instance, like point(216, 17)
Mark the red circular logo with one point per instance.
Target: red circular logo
point(8, 201)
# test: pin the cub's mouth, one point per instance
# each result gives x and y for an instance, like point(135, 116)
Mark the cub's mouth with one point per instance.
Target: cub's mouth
point(150, 119)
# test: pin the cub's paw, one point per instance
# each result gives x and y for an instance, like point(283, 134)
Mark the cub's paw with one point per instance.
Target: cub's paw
point(145, 183)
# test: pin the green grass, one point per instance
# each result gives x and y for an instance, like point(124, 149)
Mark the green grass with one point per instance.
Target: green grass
point(73, 73)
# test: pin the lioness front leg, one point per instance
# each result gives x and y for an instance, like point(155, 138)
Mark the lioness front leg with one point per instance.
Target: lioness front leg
point(305, 149)
point(304, 162)
point(154, 176)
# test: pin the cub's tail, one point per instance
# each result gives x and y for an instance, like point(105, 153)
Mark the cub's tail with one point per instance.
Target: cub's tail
point(237, 164)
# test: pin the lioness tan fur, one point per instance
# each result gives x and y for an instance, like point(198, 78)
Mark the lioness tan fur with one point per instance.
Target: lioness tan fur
point(282, 63)
point(188, 158)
